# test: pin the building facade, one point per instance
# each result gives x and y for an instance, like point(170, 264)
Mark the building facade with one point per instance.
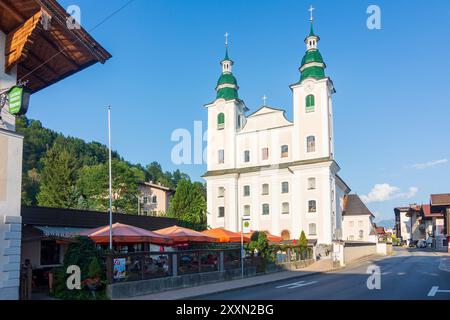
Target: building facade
point(357, 221)
point(154, 199)
point(427, 222)
point(276, 174)
point(36, 50)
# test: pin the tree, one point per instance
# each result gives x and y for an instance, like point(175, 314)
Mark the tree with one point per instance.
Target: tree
point(189, 204)
point(260, 242)
point(303, 244)
point(94, 185)
point(57, 179)
point(38, 140)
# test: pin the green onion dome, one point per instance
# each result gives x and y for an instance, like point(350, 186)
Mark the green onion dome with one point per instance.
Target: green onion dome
point(227, 78)
point(312, 56)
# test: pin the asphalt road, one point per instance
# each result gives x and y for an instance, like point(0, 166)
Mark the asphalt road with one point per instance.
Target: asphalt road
point(410, 274)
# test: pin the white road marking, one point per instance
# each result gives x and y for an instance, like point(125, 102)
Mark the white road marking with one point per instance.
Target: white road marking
point(296, 284)
point(435, 290)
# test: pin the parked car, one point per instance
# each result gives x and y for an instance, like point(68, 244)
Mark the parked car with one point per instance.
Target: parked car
point(421, 244)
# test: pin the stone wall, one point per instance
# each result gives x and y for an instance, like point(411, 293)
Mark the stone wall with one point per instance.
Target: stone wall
point(10, 219)
point(347, 252)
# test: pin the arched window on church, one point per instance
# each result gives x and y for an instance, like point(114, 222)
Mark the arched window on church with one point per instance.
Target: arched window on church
point(311, 144)
point(220, 121)
point(310, 103)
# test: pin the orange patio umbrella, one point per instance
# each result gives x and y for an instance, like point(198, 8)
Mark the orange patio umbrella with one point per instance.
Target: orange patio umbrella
point(225, 235)
point(123, 233)
point(180, 234)
point(270, 237)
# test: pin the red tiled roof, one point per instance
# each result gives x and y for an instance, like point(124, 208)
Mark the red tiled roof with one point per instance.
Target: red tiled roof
point(380, 230)
point(428, 212)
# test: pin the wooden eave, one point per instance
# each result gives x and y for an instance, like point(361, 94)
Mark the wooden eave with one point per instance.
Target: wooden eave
point(44, 56)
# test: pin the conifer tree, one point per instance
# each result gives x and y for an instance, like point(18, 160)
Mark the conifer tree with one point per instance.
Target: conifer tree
point(57, 179)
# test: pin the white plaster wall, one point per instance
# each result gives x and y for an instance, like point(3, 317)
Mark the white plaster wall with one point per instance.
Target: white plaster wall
point(315, 123)
point(10, 191)
point(356, 220)
point(405, 225)
point(268, 128)
point(352, 253)
point(223, 139)
point(255, 141)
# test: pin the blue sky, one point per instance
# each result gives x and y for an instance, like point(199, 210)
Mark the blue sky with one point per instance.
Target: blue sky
point(391, 109)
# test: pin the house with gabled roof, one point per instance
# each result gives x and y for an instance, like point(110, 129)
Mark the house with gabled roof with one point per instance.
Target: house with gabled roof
point(357, 220)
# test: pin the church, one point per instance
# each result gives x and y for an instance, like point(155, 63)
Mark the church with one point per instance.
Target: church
point(268, 173)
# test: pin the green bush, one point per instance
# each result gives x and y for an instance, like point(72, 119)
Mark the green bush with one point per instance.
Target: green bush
point(259, 242)
point(84, 254)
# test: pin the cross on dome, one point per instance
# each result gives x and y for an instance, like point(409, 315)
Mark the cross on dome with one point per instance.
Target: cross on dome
point(311, 9)
point(226, 38)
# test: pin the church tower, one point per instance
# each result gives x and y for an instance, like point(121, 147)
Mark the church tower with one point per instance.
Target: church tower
point(313, 113)
point(226, 116)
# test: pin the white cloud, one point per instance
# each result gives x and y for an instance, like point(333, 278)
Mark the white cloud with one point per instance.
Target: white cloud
point(429, 164)
point(384, 192)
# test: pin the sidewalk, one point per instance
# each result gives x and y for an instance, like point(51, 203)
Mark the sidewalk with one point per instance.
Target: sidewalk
point(188, 293)
point(445, 264)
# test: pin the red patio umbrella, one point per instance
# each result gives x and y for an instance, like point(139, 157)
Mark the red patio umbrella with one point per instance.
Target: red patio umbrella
point(180, 235)
point(123, 233)
point(225, 235)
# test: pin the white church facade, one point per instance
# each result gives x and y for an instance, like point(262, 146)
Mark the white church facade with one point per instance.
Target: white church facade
point(278, 175)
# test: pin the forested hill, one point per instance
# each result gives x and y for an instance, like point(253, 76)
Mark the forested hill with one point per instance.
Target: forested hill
point(67, 172)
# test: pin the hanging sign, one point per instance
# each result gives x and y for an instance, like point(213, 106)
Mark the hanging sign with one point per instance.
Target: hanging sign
point(19, 99)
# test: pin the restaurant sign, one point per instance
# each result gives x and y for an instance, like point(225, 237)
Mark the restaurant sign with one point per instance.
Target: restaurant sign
point(19, 99)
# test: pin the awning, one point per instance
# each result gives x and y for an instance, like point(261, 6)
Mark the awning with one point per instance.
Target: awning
point(61, 232)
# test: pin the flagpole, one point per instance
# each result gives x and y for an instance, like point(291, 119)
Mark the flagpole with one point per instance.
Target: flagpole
point(110, 182)
point(242, 247)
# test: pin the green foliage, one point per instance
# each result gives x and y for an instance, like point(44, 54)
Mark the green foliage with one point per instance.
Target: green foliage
point(255, 236)
point(303, 245)
point(261, 244)
point(303, 242)
point(94, 185)
point(83, 253)
point(394, 238)
point(53, 165)
point(155, 173)
point(189, 204)
point(95, 270)
point(57, 181)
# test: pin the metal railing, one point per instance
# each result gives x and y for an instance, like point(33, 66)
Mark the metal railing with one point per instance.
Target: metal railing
point(138, 266)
